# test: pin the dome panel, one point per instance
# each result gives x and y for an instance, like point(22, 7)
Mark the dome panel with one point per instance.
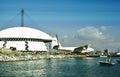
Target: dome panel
point(21, 45)
point(24, 33)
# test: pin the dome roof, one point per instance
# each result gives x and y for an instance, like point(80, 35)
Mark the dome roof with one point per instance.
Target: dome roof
point(24, 33)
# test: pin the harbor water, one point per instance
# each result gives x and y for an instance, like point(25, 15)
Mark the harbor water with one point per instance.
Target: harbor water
point(64, 67)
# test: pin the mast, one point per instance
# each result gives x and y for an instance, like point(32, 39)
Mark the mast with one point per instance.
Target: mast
point(57, 40)
point(22, 17)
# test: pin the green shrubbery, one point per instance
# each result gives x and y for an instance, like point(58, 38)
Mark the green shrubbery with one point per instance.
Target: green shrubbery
point(9, 52)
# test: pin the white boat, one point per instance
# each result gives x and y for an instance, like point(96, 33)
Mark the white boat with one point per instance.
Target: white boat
point(108, 61)
point(103, 56)
point(118, 54)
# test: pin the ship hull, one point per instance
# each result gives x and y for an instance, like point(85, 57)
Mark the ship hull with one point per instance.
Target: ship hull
point(106, 63)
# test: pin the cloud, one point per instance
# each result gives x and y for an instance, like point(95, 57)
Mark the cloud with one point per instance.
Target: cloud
point(90, 32)
point(103, 28)
point(65, 36)
point(93, 36)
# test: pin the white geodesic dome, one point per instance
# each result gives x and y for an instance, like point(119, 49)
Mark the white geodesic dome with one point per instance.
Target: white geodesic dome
point(17, 37)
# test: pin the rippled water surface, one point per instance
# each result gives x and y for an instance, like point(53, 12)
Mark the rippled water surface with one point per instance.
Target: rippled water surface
point(66, 67)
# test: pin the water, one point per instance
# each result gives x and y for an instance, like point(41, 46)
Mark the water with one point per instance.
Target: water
point(66, 67)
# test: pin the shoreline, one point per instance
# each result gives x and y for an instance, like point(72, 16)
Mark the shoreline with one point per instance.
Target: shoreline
point(7, 55)
point(6, 58)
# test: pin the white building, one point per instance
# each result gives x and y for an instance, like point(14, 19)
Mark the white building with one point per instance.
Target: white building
point(24, 38)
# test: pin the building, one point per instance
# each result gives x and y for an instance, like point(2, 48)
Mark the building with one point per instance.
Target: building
point(24, 39)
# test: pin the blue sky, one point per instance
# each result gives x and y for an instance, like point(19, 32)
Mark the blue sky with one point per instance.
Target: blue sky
point(77, 22)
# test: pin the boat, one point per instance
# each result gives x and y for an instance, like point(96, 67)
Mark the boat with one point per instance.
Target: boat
point(103, 56)
point(118, 53)
point(108, 61)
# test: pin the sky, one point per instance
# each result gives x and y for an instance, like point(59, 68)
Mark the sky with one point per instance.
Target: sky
point(76, 22)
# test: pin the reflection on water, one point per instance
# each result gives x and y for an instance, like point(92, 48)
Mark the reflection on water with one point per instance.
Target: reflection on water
point(66, 67)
